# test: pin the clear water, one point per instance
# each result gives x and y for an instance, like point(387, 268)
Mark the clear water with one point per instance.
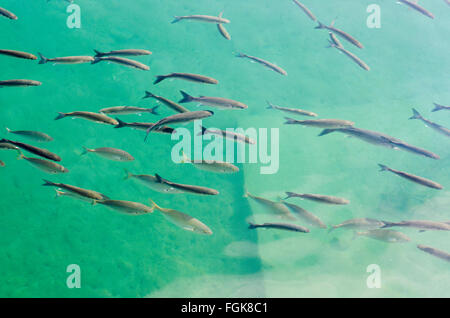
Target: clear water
point(145, 256)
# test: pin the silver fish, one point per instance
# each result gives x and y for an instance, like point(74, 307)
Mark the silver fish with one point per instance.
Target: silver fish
point(19, 54)
point(388, 236)
point(435, 252)
point(227, 134)
point(320, 123)
point(66, 59)
point(201, 18)
point(211, 165)
point(19, 83)
point(126, 207)
point(110, 153)
point(127, 52)
point(122, 61)
point(144, 127)
point(222, 29)
point(45, 165)
point(213, 101)
point(418, 8)
point(334, 40)
point(167, 102)
point(273, 207)
point(413, 178)
point(280, 226)
point(152, 182)
point(33, 135)
point(95, 117)
point(359, 224)
point(8, 146)
point(264, 63)
point(88, 194)
point(34, 150)
point(187, 77)
point(318, 198)
point(440, 129)
point(295, 111)
point(306, 216)
point(186, 188)
point(352, 56)
point(420, 224)
point(306, 10)
point(128, 110)
point(340, 33)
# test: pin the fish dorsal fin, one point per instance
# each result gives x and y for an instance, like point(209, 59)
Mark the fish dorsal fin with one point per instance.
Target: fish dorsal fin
point(158, 178)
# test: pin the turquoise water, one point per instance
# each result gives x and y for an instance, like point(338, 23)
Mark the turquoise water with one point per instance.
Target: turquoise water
point(145, 256)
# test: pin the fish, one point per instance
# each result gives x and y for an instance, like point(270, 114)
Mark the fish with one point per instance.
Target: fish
point(110, 153)
point(420, 224)
point(19, 83)
point(227, 134)
point(219, 102)
point(306, 10)
point(60, 193)
point(438, 107)
point(45, 165)
point(413, 178)
point(66, 59)
point(33, 135)
point(380, 139)
point(334, 40)
point(126, 207)
point(181, 118)
point(9, 146)
point(201, 18)
point(95, 117)
point(280, 226)
point(18, 54)
point(222, 29)
point(8, 14)
point(320, 123)
point(144, 126)
point(211, 165)
point(306, 216)
point(388, 236)
point(440, 129)
point(152, 182)
point(128, 110)
point(79, 192)
point(187, 77)
point(277, 208)
point(264, 63)
point(417, 7)
point(172, 105)
point(122, 61)
point(186, 188)
point(359, 224)
point(352, 56)
point(34, 150)
point(183, 220)
point(435, 252)
point(294, 111)
point(340, 33)
point(318, 198)
point(127, 52)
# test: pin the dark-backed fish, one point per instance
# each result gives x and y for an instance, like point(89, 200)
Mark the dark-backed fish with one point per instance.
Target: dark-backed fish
point(294, 111)
point(435, 252)
point(122, 61)
point(277, 208)
point(211, 165)
point(264, 63)
point(152, 182)
point(110, 153)
point(187, 77)
point(227, 134)
point(128, 110)
point(440, 129)
point(34, 150)
point(417, 7)
point(352, 56)
point(222, 29)
point(334, 40)
point(89, 194)
point(413, 178)
point(187, 188)
point(305, 216)
point(33, 135)
point(306, 10)
point(320, 123)
point(144, 126)
point(388, 236)
point(318, 198)
point(438, 107)
point(340, 33)
point(201, 18)
point(66, 59)
point(280, 226)
point(7, 14)
point(126, 207)
point(19, 54)
point(167, 102)
point(359, 224)
point(95, 117)
point(8, 146)
point(420, 224)
point(127, 52)
point(19, 83)
point(45, 165)
point(219, 102)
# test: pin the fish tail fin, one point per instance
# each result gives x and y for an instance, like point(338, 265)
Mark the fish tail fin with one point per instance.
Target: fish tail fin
point(290, 121)
point(148, 95)
point(289, 195)
point(204, 129)
point(320, 25)
point(85, 150)
point(128, 174)
point(176, 19)
point(120, 124)
point(437, 107)
point(149, 130)
point(98, 53)
point(153, 110)
point(159, 78)
point(96, 60)
point(155, 206)
point(48, 183)
point(246, 193)
point(416, 114)
point(326, 132)
point(270, 105)
point(43, 59)
point(383, 167)
point(186, 97)
point(240, 54)
point(252, 226)
point(61, 115)
point(387, 224)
